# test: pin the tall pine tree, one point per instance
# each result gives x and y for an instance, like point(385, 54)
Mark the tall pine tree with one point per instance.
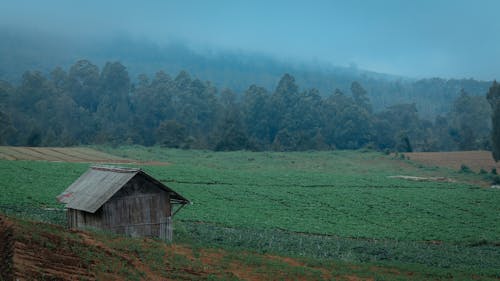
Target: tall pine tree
point(493, 97)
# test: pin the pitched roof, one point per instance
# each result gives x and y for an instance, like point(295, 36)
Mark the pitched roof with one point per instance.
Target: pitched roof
point(96, 186)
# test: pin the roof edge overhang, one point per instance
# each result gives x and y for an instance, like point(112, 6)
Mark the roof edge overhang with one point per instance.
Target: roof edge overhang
point(177, 199)
point(65, 197)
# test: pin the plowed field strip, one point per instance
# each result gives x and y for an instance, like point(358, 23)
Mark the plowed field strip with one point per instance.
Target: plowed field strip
point(16, 154)
point(44, 155)
point(474, 159)
point(59, 154)
point(29, 155)
point(7, 156)
point(66, 154)
point(73, 153)
point(96, 154)
point(53, 152)
point(33, 154)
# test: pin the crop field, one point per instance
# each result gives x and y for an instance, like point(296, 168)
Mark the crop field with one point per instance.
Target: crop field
point(336, 205)
point(40, 251)
point(65, 154)
point(476, 160)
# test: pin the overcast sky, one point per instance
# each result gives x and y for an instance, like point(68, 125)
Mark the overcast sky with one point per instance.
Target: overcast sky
point(417, 38)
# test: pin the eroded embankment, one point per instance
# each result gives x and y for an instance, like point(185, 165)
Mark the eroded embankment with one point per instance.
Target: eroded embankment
point(27, 255)
point(6, 250)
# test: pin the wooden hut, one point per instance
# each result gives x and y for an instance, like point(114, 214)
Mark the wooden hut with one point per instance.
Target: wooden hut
point(122, 200)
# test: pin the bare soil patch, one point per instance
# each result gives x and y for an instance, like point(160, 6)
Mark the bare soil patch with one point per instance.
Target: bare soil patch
point(413, 178)
point(476, 160)
point(67, 154)
point(30, 257)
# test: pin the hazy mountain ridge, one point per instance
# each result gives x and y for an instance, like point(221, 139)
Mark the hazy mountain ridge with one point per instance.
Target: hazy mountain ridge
point(24, 50)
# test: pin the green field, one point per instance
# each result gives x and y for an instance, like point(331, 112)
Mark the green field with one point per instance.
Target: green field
point(334, 205)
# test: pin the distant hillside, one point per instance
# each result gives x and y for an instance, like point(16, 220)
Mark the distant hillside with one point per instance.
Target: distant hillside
point(24, 50)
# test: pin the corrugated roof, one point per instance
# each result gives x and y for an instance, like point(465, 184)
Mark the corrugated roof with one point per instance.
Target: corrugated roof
point(96, 186)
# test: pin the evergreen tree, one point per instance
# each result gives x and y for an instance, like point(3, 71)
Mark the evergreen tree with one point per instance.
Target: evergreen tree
point(85, 106)
point(83, 84)
point(360, 96)
point(470, 124)
point(256, 116)
point(170, 133)
point(398, 127)
point(113, 111)
point(282, 104)
point(493, 97)
point(229, 133)
point(6, 128)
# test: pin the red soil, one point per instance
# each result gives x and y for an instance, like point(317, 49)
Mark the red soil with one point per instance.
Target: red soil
point(475, 160)
point(23, 258)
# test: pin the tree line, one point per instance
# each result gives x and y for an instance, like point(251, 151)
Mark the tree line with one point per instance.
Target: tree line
point(22, 49)
point(88, 105)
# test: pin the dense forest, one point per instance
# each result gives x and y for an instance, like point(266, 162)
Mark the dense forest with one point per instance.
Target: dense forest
point(22, 50)
point(88, 105)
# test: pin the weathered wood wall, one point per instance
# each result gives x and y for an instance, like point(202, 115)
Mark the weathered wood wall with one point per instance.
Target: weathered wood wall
point(81, 219)
point(139, 209)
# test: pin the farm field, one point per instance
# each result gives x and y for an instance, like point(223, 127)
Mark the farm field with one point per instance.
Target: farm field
point(40, 251)
point(341, 206)
point(476, 160)
point(65, 154)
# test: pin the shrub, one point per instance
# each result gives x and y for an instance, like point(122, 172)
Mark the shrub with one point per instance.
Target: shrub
point(495, 180)
point(465, 169)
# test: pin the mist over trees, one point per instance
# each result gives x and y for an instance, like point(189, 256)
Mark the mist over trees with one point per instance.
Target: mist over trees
point(88, 105)
point(22, 50)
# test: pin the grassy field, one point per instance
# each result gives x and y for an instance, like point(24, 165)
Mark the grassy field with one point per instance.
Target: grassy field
point(338, 205)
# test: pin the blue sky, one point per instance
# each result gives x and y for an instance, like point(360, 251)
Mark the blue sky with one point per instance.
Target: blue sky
point(422, 38)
